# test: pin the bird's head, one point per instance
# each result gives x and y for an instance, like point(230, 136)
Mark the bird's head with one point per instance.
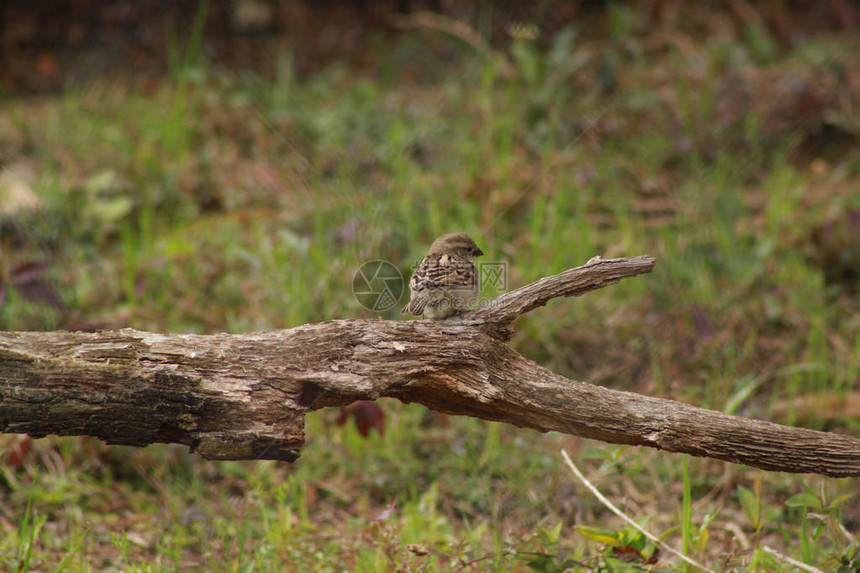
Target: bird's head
point(457, 244)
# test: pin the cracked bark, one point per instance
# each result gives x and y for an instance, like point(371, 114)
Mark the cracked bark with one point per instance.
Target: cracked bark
point(244, 396)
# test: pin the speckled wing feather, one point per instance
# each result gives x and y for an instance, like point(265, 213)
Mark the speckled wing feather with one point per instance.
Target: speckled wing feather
point(435, 277)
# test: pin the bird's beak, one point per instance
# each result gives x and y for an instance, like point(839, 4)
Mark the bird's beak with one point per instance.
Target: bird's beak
point(479, 253)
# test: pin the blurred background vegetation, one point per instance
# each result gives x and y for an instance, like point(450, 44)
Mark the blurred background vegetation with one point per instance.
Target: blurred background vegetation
point(227, 166)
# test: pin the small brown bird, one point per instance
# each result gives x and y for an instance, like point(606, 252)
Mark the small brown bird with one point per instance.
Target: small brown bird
point(445, 282)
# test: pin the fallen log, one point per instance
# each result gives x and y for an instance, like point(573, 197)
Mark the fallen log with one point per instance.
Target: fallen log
point(244, 396)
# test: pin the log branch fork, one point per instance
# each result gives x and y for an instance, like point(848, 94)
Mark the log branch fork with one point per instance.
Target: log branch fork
point(244, 396)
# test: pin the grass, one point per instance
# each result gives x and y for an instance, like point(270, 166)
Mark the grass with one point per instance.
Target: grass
point(211, 201)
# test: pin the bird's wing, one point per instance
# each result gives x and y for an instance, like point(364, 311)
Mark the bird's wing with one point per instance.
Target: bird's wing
point(415, 306)
point(436, 274)
point(442, 271)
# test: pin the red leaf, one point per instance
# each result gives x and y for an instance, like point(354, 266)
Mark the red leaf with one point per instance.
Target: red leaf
point(17, 450)
point(365, 414)
point(627, 554)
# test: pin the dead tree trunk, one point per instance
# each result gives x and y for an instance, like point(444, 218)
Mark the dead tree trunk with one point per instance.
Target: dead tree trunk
point(245, 396)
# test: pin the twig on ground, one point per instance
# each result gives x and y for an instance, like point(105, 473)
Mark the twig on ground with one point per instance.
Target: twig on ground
point(623, 516)
point(791, 561)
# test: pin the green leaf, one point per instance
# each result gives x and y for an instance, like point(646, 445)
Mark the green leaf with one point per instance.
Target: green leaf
point(109, 210)
point(751, 505)
point(551, 535)
point(599, 535)
point(839, 501)
point(820, 528)
point(596, 454)
point(804, 500)
point(102, 182)
point(631, 537)
point(746, 387)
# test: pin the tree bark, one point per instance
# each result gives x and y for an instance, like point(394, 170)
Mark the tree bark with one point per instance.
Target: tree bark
point(244, 396)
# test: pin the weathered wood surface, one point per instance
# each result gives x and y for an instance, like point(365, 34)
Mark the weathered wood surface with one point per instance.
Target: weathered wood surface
point(245, 396)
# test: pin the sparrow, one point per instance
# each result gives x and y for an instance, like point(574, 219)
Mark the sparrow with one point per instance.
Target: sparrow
point(445, 282)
